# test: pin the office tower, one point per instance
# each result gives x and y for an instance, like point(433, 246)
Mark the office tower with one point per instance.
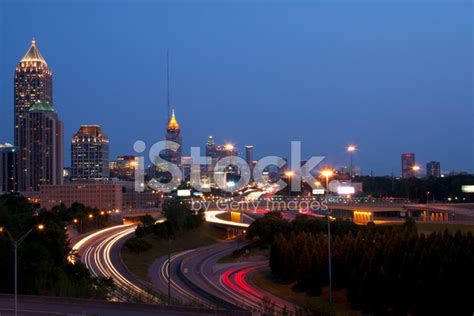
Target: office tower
point(211, 148)
point(8, 168)
point(123, 167)
point(89, 154)
point(408, 162)
point(32, 84)
point(186, 164)
point(249, 159)
point(249, 155)
point(44, 141)
point(433, 169)
point(173, 134)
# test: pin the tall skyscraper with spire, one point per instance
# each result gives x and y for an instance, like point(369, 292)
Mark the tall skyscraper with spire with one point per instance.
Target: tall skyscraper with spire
point(173, 133)
point(33, 84)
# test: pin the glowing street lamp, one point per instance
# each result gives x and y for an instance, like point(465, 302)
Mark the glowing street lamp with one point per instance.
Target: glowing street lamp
point(351, 149)
point(16, 243)
point(415, 169)
point(327, 173)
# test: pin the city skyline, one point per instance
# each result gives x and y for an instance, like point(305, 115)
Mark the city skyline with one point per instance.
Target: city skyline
point(374, 154)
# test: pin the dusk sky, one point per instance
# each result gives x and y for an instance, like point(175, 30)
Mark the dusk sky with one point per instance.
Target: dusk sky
point(388, 76)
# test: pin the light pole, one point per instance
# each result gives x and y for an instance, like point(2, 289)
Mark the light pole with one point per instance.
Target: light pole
point(289, 174)
point(169, 269)
point(328, 173)
point(350, 150)
point(16, 243)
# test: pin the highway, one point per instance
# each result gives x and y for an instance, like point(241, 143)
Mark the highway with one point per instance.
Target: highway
point(197, 277)
point(100, 252)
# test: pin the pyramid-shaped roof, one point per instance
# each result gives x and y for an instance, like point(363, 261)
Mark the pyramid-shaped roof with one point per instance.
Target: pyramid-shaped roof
point(173, 124)
point(33, 54)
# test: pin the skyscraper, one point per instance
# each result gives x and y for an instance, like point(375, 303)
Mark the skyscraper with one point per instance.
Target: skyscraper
point(249, 158)
point(44, 142)
point(32, 84)
point(433, 169)
point(90, 154)
point(8, 168)
point(408, 162)
point(173, 134)
point(123, 167)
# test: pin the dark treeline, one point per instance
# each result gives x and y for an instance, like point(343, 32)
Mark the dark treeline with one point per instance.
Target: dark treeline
point(179, 218)
point(43, 268)
point(84, 218)
point(414, 189)
point(390, 270)
point(265, 229)
point(440, 189)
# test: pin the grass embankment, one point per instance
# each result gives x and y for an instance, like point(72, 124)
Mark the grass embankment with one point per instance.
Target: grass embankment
point(250, 252)
point(198, 237)
point(265, 281)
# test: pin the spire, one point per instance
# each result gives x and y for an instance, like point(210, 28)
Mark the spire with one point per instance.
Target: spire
point(173, 124)
point(33, 54)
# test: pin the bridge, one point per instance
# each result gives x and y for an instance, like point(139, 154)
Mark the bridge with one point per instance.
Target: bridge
point(360, 210)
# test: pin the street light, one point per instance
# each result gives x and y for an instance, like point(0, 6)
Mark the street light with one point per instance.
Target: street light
point(16, 243)
point(289, 174)
point(350, 150)
point(329, 173)
point(415, 169)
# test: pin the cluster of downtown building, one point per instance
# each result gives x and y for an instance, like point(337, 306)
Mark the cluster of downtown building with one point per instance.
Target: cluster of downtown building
point(34, 164)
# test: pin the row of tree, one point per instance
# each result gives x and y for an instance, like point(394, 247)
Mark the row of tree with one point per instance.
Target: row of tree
point(265, 229)
point(43, 268)
point(179, 218)
point(390, 270)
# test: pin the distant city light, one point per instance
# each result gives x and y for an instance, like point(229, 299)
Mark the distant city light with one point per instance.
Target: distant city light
point(468, 188)
point(351, 148)
point(345, 190)
point(184, 192)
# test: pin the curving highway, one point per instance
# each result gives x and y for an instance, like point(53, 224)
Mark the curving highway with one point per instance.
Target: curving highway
point(100, 252)
point(197, 277)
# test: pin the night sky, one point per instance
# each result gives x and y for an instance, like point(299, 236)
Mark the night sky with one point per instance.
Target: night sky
point(389, 76)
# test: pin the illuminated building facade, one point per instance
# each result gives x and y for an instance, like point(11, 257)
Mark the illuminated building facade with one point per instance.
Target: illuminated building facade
point(32, 84)
point(8, 169)
point(89, 154)
point(408, 162)
point(173, 134)
point(44, 141)
point(249, 158)
point(104, 196)
point(123, 168)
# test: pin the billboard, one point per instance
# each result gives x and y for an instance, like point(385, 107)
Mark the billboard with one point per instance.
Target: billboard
point(184, 192)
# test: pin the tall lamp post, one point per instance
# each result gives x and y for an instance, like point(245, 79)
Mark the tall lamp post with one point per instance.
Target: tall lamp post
point(16, 243)
point(350, 150)
point(328, 173)
point(289, 174)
